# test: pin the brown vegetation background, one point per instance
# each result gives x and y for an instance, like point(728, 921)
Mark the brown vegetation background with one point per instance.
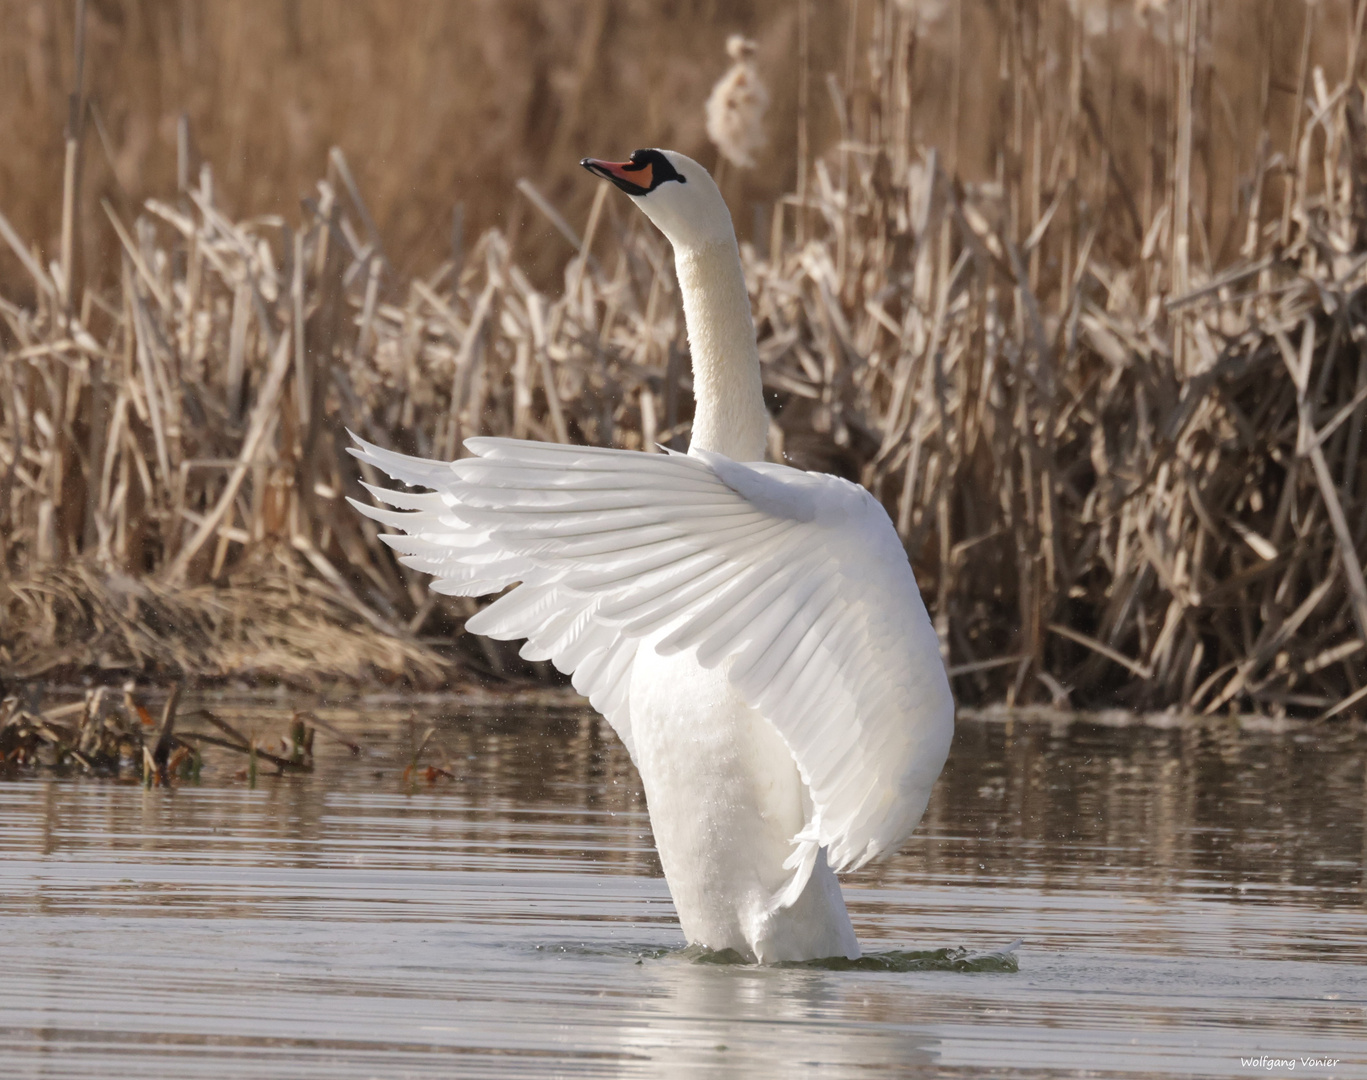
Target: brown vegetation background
point(437, 104)
point(440, 105)
point(1076, 288)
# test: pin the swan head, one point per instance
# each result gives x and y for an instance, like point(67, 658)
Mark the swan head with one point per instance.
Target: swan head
point(675, 192)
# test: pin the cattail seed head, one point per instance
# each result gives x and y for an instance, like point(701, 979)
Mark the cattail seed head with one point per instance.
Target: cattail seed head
point(735, 108)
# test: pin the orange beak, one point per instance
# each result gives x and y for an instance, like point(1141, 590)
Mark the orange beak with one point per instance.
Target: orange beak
point(631, 178)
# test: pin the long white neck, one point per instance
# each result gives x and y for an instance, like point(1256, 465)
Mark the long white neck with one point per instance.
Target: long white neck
point(729, 417)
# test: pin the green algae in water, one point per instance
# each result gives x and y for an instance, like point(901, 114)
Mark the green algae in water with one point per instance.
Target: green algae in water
point(899, 960)
point(1004, 962)
point(894, 960)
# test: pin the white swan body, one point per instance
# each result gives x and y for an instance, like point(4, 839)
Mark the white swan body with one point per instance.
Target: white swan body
point(753, 633)
point(724, 880)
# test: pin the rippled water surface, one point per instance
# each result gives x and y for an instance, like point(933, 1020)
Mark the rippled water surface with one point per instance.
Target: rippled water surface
point(1185, 899)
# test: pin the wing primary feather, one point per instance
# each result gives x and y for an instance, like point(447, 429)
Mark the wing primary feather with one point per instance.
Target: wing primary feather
point(797, 579)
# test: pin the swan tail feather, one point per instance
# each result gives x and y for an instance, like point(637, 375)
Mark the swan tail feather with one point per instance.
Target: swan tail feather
point(801, 862)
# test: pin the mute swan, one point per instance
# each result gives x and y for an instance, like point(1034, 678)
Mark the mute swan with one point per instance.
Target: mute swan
point(753, 633)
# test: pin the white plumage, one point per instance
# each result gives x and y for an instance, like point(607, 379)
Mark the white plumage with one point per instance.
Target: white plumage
point(753, 633)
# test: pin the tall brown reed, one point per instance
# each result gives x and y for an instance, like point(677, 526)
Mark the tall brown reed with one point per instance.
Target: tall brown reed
point(1123, 447)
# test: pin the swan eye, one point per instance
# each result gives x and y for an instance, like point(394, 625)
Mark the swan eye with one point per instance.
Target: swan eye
point(639, 175)
point(658, 169)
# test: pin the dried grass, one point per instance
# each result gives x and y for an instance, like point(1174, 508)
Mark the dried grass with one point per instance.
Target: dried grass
point(1123, 447)
point(113, 733)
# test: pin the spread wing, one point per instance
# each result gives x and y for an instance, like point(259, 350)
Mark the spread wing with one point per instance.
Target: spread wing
point(796, 580)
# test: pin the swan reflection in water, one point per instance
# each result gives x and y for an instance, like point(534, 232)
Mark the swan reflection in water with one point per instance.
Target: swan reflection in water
point(738, 1020)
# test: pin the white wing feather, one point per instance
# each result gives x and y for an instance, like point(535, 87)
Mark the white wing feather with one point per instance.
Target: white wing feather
point(797, 580)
